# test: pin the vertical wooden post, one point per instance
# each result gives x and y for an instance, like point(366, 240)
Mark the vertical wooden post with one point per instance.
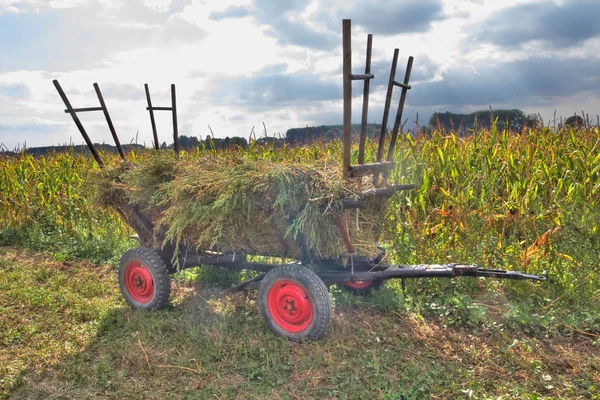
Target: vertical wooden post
point(71, 111)
point(175, 130)
point(365, 109)
point(347, 70)
point(152, 121)
point(398, 121)
point(109, 121)
point(386, 108)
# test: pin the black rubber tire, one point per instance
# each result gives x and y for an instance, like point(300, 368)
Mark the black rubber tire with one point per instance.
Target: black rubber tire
point(375, 285)
point(158, 272)
point(317, 296)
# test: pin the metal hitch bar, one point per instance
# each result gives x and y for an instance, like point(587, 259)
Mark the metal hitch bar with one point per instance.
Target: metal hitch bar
point(425, 271)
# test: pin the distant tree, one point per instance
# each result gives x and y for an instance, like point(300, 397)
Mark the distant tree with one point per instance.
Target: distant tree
point(463, 123)
point(532, 120)
point(574, 121)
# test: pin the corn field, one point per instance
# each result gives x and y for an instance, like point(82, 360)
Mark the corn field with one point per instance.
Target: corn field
point(525, 201)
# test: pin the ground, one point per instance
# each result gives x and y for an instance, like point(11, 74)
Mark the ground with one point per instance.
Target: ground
point(66, 333)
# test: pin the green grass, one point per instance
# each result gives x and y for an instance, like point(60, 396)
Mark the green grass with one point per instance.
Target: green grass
point(68, 334)
point(524, 201)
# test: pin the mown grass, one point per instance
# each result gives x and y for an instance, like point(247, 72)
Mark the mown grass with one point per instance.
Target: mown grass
point(81, 341)
point(524, 201)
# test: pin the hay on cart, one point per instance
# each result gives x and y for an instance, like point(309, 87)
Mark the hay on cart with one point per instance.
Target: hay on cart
point(231, 202)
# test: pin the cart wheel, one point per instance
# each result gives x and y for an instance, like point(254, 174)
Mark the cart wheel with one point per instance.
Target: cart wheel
point(144, 280)
point(294, 303)
point(361, 287)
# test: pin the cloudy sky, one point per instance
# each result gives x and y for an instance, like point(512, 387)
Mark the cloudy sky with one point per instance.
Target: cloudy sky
point(237, 64)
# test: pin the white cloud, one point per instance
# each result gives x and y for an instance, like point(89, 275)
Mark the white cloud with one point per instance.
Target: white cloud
point(270, 60)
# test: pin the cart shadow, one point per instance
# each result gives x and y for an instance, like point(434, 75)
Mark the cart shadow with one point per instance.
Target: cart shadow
point(141, 342)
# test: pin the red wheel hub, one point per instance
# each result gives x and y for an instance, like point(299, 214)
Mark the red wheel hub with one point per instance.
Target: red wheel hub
point(359, 284)
point(290, 306)
point(139, 282)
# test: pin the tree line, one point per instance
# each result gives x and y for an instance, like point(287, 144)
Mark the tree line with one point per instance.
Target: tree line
point(463, 124)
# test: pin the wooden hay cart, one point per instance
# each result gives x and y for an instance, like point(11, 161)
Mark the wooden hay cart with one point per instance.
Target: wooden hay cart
point(293, 298)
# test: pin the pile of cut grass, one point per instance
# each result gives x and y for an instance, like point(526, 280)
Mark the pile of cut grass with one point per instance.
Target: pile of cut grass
point(230, 202)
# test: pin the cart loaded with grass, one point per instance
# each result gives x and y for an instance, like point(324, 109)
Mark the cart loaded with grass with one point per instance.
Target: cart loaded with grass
point(242, 209)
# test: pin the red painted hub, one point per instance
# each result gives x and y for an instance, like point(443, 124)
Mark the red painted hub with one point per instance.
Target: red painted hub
point(139, 282)
point(290, 306)
point(359, 284)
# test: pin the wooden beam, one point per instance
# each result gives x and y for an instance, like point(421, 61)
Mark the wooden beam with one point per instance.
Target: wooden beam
point(152, 121)
point(398, 121)
point(113, 132)
point(347, 70)
point(387, 191)
point(365, 109)
point(370, 169)
point(386, 108)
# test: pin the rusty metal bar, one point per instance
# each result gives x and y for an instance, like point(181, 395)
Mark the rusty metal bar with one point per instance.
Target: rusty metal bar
point(347, 70)
point(365, 109)
point(386, 108)
point(71, 111)
point(398, 121)
point(109, 121)
point(152, 121)
point(175, 130)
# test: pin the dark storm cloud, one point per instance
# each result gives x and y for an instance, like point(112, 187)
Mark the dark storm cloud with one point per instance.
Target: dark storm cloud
point(297, 33)
point(423, 69)
point(384, 17)
point(563, 25)
point(274, 90)
point(276, 16)
point(519, 82)
point(392, 18)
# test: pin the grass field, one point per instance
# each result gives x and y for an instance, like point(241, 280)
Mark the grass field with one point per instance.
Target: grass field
point(526, 201)
point(70, 335)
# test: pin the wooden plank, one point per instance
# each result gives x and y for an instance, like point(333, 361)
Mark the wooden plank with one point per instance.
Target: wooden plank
point(109, 121)
point(348, 204)
point(85, 109)
point(343, 229)
point(152, 121)
point(387, 191)
point(160, 108)
point(365, 109)
point(175, 129)
point(386, 108)
point(370, 169)
point(402, 85)
point(361, 77)
point(71, 111)
point(398, 121)
point(347, 70)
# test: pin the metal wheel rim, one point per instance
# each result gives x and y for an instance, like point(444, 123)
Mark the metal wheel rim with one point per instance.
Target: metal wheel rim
point(290, 306)
point(358, 284)
point(139, 282)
